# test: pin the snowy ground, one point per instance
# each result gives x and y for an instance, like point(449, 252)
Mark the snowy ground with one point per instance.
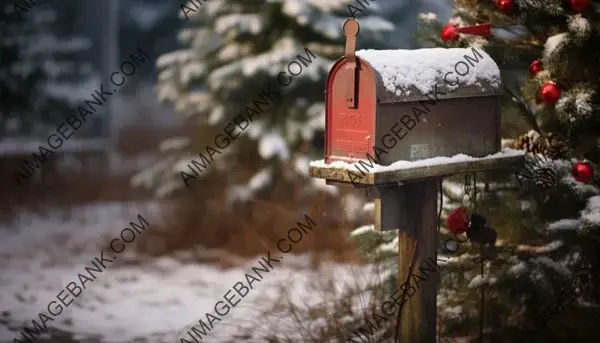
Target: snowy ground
point(136, 300)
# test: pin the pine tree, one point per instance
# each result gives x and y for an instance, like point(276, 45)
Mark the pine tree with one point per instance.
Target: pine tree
point(231, 50)
point(43, 71)
point(17, 86)
point(544, 285)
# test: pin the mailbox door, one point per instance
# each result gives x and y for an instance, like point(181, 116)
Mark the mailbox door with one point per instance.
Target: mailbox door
point(350, 132)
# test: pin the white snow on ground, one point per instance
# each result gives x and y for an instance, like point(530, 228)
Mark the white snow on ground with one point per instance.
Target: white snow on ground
point(154, 299)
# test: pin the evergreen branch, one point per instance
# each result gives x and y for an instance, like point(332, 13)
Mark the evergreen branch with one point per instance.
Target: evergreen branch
point(525, 111)
point(515, 46)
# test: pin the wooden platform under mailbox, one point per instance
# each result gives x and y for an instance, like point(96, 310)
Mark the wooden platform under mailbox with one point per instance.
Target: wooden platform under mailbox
point(340, 175)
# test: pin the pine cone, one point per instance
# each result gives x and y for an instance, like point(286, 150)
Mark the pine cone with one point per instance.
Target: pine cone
point(552, 146)
point(530, 142)
point(555, 147)
point(545, 177)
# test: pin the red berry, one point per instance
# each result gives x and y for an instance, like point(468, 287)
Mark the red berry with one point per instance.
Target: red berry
point(505, 6)
point(549, 93)
point(583, 172)
point(535, 67)
point(449, 33)
point(579, 5)
point(458, 221)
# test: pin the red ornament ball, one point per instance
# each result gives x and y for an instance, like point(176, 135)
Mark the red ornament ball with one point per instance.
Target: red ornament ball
point(505, 6)
point(449, 33)
point(458, 221)
point(583, 172)
point(549, 93)
point(579, 5)
point(535, 67)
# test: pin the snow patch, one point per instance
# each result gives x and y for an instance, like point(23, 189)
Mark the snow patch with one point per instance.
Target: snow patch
point(362, 230)
point(369, 208)
point(352, 205)
point(553, 43)
point(481, 280)
point(261, 179)
point(389, 247)
point(559, 268)
point(518, 268)
point(423, 68)
point(564, 224)
point(526, 205)
point(583, 102)
point(322, 185)
point(591, 213)
point(550, 247)
point(582, 189)
point(323, 17)
point(454, 189)
point(301, 164)
point(216, 115)
point(256, 129)
point(579, 25)
point(453, 312)
point(428, 17)
point(429, 162)
point(252, 23)
point(272, 144)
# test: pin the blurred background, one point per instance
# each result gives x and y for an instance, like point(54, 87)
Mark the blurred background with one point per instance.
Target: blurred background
point(204, 64)
point(200, 72)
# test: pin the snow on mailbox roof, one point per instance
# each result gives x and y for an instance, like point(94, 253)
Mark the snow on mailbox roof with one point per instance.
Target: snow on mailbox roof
point(407, 75)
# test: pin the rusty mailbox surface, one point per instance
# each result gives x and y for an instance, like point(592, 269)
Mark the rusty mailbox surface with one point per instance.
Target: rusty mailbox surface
point(362, 107)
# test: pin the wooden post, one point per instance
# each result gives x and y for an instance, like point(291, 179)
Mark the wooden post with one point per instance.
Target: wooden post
point(418, 212)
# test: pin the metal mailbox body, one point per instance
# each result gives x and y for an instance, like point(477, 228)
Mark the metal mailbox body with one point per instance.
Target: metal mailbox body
point(464, 120)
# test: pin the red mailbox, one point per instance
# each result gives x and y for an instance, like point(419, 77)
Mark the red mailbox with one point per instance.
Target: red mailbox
point(372, 96)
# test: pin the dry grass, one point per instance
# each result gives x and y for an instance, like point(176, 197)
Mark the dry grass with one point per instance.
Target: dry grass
point(53, 187)
point(199, 217)
point(250, 229)
point(50, 189)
